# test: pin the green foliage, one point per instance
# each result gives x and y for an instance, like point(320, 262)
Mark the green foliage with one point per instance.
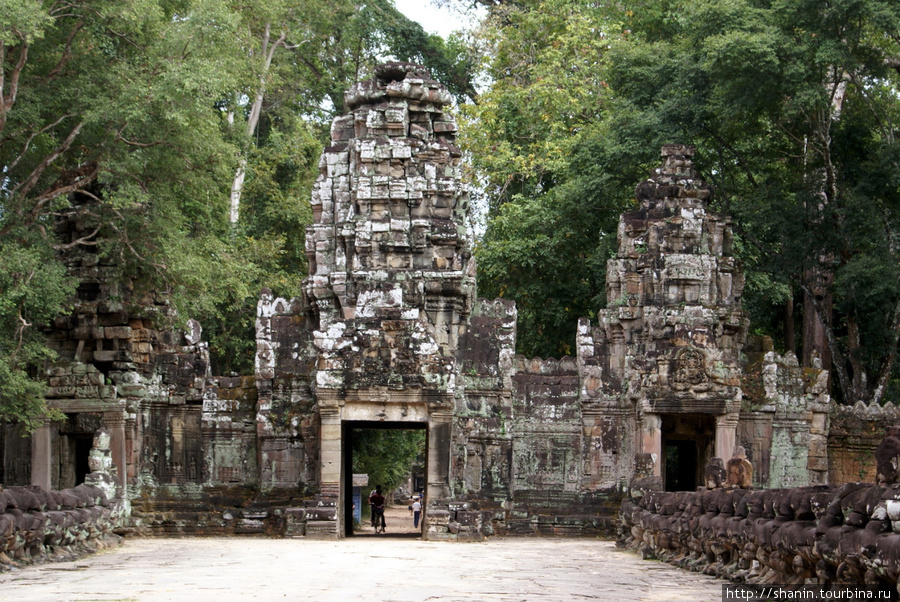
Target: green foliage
point(33, 290)
point(542, 58)
point(549, 251)
point(387, 455)
point(133, 115)
point(267, 246)
point(282, 167)
point(109, 118)
point(556, 168)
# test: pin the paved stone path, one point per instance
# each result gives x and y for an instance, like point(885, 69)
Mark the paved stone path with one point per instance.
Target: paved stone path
point(385, 569)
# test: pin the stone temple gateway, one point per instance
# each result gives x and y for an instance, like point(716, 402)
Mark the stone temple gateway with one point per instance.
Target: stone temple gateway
point(390, 332)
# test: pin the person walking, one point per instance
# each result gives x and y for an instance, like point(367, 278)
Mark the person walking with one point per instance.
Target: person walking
point(417, 512)
point(377, 501)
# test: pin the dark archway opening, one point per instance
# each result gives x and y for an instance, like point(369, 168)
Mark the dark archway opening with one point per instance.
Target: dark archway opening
point(83, 446)
point(393, 455)
point(687, 445)
point(681, 465)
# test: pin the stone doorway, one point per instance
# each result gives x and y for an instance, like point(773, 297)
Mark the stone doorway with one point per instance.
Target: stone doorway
point(688, 442)
point(75, 440)
point(356, 432)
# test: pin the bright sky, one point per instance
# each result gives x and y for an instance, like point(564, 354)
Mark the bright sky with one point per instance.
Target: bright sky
point(441, 21)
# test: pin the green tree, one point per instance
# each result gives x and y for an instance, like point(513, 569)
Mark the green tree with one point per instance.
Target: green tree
point(542, 59)
point(34, 289)
point(536, 137)
point(793, 107)
point(387, 455)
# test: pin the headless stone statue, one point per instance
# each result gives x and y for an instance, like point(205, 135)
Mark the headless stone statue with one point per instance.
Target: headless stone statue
point(644, 480)
point(715, 474)
point(739, 471)
point(887, 457)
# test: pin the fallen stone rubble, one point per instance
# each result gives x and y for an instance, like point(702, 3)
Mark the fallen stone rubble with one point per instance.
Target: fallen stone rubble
point(38, 526)
point(848, 534)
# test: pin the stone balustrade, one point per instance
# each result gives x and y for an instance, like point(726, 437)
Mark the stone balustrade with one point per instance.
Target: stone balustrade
point(37, 525)
point(848, 534)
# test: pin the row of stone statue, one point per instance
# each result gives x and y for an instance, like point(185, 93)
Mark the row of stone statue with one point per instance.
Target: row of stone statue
point(848, 534)
point(37, 525)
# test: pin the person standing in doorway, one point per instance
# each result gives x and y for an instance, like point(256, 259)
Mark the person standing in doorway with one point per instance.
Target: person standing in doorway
point(371, 508)
point(417, 512)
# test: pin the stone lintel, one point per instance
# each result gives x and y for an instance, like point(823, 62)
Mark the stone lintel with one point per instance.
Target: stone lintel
point(337, 398)
point(689, 406)
point(74, 406)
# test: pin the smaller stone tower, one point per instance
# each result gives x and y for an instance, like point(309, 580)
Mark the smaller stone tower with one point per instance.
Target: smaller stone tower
point(671, 337)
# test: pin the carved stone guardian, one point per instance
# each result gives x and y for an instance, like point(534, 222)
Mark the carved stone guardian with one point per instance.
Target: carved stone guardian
point(739, 470)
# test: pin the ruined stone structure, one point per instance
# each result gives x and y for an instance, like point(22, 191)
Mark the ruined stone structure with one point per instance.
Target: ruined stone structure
point(390, 333)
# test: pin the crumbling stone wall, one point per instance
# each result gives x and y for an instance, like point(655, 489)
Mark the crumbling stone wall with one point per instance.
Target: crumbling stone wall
point(849, 534)
point(546, 445)
point(854, 435)
point(287, 423)
point(481, 460)
point(784, 418)
point(518, 459)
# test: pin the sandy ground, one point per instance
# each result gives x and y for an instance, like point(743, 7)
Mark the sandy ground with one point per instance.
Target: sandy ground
point(383, 568)
point(397, 520)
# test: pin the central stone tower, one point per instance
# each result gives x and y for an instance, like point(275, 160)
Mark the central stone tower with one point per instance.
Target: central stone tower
point(391, 276)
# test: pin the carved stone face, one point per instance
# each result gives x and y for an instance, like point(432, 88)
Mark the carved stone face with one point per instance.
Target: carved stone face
point(690, 369)
point(99, 461)
point(101, 439)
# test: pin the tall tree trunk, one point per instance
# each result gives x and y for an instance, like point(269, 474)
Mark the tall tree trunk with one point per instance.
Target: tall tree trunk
point(237, 184)
point(820, 278)
point(815, 341)
point(790, 342)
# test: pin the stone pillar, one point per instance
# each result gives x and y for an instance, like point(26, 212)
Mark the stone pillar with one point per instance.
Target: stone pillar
point(726, 434)
point(115, 422)
point(438, 487)
point(41, 456)
point(130, 438)
point(330, 479)
point(651, 440)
